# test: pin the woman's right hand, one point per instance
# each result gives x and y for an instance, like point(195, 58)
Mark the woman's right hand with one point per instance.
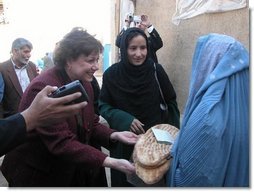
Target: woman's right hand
point(137, 127)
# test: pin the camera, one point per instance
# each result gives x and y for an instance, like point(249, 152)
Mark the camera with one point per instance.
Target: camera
point(129, 17)
point(70, 88)
point(137, 19)
point(133, 18)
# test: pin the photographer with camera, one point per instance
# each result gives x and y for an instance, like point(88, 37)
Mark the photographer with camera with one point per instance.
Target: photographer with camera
point(143, 22)
point(42, 111)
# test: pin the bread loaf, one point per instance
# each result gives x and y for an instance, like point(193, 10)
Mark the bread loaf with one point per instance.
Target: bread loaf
point(152, 159)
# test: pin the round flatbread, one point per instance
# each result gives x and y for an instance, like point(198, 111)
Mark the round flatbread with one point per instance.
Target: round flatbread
point(150, 153)
point(151, 175)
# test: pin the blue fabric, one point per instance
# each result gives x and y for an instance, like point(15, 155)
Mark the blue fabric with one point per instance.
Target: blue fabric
point(1, 87)
point(212, 148)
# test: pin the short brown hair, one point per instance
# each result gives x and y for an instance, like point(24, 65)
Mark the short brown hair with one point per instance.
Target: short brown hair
point(75, 43)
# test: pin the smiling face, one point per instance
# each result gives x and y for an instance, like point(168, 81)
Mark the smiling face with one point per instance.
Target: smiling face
point(137, 50)
point(84, 67)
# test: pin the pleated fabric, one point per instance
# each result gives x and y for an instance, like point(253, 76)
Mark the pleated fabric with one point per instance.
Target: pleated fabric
point(212, 148)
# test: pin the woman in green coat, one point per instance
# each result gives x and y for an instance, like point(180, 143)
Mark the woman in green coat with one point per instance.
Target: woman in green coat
point(130, 96)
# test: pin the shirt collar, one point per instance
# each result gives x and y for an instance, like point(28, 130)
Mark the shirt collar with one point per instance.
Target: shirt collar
point(17, 67)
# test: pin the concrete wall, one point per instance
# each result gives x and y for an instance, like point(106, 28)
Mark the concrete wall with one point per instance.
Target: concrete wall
point(179, 41)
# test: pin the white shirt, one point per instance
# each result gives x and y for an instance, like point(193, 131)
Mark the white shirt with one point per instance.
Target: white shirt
point(22, 75)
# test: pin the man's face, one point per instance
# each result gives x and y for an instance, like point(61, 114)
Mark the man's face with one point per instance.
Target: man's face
point(21, 56)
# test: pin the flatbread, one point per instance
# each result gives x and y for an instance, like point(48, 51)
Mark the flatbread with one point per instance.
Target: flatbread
point(152, 175)
point(150, 153)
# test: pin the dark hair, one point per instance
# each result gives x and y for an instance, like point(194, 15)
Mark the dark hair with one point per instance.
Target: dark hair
point(134, 34)
point(75, 43)
point(127, 36)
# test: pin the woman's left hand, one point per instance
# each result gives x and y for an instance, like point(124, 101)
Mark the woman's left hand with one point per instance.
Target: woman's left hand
point(126, 137)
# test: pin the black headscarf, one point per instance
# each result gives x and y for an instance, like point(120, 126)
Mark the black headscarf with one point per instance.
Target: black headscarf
point(132, 88)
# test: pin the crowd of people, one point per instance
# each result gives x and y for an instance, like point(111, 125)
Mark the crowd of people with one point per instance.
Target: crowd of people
point(50, 142)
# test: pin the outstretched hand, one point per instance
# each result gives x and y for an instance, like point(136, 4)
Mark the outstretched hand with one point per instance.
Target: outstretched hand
point(126, 137)
point(119, 164)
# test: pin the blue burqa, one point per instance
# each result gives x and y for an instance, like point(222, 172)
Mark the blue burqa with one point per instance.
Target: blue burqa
point(212, 148)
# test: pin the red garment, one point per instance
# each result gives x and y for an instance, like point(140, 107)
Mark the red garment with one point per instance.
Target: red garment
point(52, 154)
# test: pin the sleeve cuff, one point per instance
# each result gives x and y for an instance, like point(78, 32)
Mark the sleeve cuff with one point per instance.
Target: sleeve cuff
point(125, 28)
point(150, 28)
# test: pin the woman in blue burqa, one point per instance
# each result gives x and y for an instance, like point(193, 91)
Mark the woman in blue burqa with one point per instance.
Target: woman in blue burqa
point(212, 148)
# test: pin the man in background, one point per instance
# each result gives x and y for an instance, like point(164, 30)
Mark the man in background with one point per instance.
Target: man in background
point(17, 73)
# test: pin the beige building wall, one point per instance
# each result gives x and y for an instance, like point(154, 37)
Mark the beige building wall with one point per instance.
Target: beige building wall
point(179, 41)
